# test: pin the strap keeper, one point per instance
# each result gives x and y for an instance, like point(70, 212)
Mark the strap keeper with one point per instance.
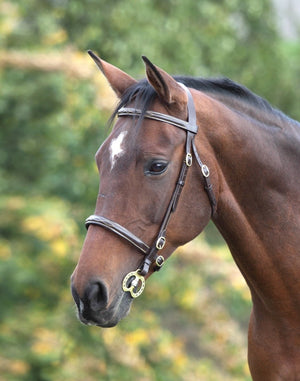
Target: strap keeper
point(145, 267)
point(205, 170)
point(160, 260)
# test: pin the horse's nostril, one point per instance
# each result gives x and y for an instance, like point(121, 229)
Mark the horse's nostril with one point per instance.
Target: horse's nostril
point(96, 295)
point(75, 295)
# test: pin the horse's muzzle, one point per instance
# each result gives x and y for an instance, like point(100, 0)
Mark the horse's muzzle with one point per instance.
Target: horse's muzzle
point(94, 307)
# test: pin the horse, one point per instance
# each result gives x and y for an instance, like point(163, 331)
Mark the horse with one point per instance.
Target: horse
point(184, 151)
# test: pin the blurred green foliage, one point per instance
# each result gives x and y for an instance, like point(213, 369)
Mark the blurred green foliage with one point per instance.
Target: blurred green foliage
point(188, 325)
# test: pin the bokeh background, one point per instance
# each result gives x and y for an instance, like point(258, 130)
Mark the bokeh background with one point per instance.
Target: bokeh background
point(191, 322)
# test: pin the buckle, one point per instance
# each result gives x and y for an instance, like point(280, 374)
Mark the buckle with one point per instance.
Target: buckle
point(160, 243)
point(205, 170)
point(188, 159)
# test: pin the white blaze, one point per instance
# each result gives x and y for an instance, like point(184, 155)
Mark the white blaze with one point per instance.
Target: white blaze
point(116, 149)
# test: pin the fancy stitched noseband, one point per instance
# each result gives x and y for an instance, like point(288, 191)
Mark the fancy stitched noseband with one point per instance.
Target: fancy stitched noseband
point(134, 282)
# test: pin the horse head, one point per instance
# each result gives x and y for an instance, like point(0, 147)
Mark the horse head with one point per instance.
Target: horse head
point(143, 165)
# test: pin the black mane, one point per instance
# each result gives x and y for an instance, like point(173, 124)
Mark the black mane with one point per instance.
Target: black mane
point(224, 89)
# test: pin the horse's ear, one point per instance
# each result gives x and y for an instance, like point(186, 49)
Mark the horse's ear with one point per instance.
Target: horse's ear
point(118, 80)
point(166, 86)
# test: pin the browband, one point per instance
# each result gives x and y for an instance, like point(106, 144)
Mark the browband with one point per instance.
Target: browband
point(128, 111)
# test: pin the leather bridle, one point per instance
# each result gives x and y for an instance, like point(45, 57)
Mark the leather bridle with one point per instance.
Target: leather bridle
point(134, 282)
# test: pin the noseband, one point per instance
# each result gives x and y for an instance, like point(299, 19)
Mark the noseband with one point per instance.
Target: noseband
point(134, 282)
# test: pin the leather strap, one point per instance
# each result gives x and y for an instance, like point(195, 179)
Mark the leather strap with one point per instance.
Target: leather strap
point(187, 162)
point(128, 111)
point(161, 237)
point(208, 185)
point(118, 229)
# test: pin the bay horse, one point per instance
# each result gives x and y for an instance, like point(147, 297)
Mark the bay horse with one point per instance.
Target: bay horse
point(183, 151)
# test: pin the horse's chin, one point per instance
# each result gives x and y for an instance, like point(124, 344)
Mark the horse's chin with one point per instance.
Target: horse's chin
point(108, 317)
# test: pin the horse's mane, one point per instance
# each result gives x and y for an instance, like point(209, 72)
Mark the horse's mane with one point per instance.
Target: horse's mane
point(225, 87)
point(230, 93)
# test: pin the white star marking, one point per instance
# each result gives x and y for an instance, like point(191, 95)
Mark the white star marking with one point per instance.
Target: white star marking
point(116, 149)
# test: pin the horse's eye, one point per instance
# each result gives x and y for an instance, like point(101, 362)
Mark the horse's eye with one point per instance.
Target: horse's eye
point(156, 167)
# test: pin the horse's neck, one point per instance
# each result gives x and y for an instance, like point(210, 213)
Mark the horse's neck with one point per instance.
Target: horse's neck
point(259, 201)
point(258, 166)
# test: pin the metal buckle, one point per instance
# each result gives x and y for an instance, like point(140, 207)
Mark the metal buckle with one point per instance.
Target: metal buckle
point(138, 282)
point(205, 170)
point(160, 243)
point(160, 260)
point(188, 159)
